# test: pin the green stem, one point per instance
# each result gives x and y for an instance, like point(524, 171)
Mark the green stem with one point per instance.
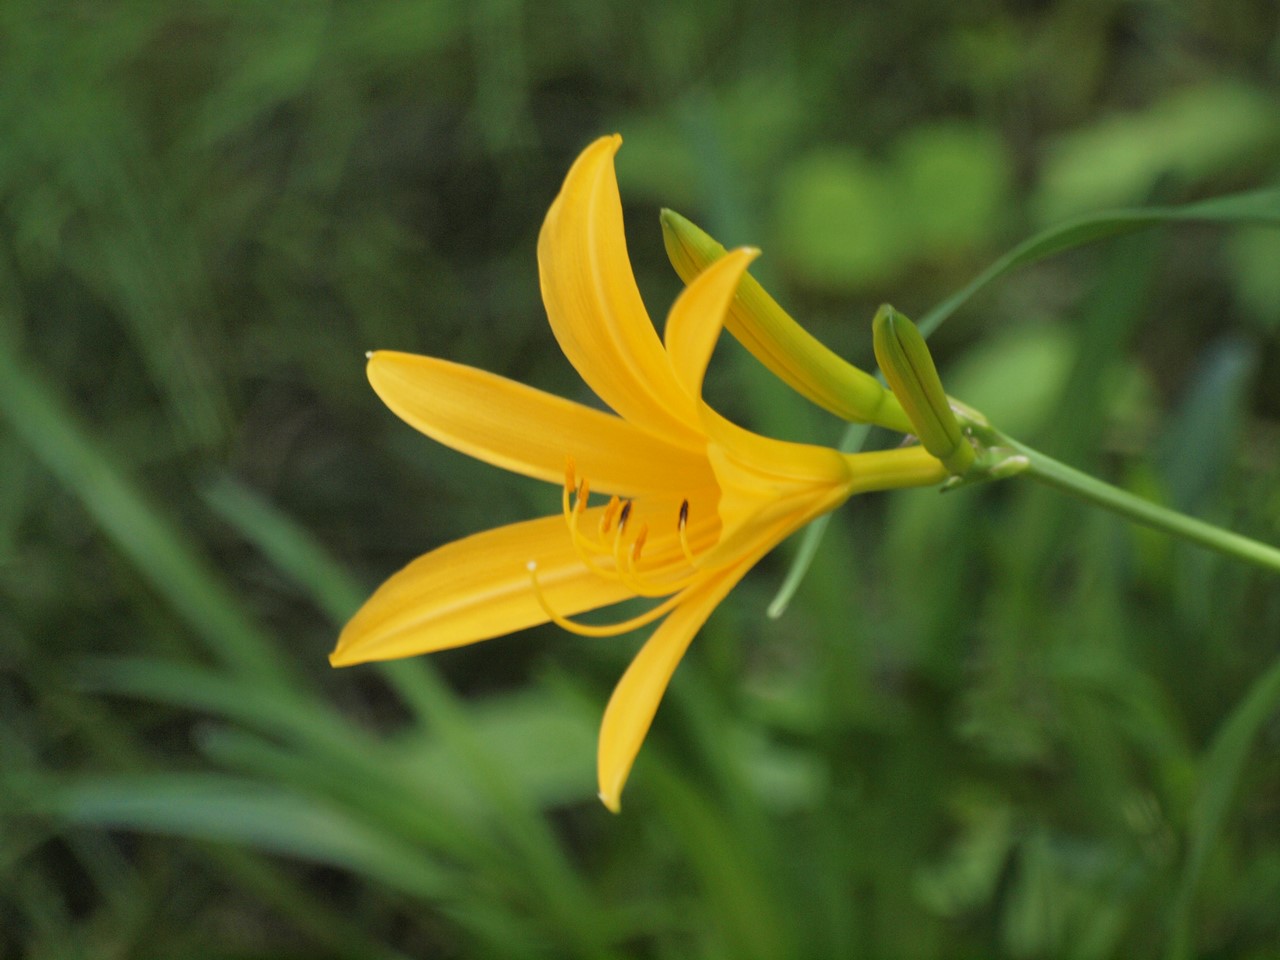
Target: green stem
point(1069, 480)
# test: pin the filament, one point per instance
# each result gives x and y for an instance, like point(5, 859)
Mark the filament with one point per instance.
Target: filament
point(632, 577)
point(602, 630)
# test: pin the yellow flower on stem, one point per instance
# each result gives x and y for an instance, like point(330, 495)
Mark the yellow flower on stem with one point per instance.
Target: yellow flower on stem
point(693, 501)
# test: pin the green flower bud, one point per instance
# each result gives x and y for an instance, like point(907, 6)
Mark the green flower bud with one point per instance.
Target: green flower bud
point(905, 360)
point(775, 339)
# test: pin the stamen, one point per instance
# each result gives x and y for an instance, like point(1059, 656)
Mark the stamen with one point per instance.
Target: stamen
point(610, 542)
point(683, 526)
point(584, 545)
point(603, 630)
point(633, 578)
point(637, 545)
point(610, 510)
point(569, 487)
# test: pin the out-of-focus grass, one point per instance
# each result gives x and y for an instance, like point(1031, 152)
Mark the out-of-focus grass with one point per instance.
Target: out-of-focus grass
point(991, 723)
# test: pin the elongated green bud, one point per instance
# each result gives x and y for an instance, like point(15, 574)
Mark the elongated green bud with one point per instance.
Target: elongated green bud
point(905, 360)
point(775, 339)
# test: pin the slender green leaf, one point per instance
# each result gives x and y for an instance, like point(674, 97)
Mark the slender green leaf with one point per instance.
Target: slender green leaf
point(138, 527)
point(224, 809)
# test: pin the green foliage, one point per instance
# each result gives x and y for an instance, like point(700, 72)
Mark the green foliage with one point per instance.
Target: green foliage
point(942, 194)
point(991, 723)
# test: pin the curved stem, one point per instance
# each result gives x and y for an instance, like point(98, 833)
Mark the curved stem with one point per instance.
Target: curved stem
point(1049, 471)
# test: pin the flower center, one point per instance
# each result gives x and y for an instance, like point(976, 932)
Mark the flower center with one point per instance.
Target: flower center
point(610, 552)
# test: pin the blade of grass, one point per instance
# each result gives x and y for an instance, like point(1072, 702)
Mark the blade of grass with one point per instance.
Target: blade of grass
point(425, 692)
point(332, 930)
point(224, 809)
point(1258, 206)
point(291, 549)
point(136, 526)
point(1219, 777)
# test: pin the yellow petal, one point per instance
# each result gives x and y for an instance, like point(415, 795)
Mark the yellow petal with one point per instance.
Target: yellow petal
point(635, 699)
point(767, 456)
point(760, 510)
point(594, 307)
point(474, 589)
point(696, 319)
point(527, 431)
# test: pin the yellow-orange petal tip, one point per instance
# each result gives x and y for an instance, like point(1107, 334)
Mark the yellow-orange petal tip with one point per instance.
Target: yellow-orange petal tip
point(612, 804)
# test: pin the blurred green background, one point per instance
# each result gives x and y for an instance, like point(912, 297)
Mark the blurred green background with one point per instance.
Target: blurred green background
point(993, 723)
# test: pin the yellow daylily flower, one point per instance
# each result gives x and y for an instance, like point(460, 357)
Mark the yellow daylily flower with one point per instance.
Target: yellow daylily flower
point(694, 500)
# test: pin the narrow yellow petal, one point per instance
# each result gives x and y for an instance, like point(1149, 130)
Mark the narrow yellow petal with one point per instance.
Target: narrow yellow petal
point(474, 589)
point(635, 699)
point(696, 319)
point(804, 462)
point(527, 431)
point(594, 306)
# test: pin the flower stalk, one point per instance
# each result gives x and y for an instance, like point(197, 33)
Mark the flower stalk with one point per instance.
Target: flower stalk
point(1044, 469)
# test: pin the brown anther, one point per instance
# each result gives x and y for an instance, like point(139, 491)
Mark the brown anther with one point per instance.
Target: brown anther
point(684, 514)
point(622, 517)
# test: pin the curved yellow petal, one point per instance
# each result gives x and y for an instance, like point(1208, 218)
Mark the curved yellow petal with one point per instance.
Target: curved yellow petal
point(696, 319)
point(527, 431)
point(474, 589)
point(635, 699)
point(594, 307)
point(771, 457)
point(756, 518)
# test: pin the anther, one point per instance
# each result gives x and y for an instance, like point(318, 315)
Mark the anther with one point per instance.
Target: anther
point(622, 517)
point(683, 527)
point(638, 544)
point(610, 511)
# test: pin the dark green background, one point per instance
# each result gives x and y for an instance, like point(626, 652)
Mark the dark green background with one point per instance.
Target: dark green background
point(993, 723)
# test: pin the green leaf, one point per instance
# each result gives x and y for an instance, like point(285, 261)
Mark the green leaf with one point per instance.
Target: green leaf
point(136, 526)
point(226, 809)
point(1259, 206)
